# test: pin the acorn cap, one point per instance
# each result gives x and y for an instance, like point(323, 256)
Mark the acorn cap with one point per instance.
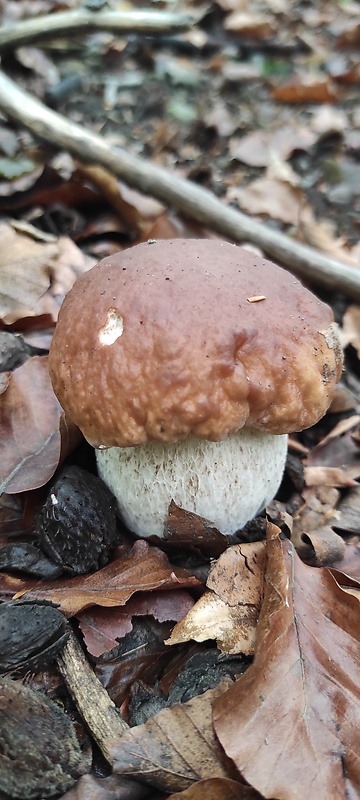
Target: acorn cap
point(191, 337)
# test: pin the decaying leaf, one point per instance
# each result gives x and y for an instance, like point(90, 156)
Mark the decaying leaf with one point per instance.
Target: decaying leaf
point(30, 440)
point(143, 569)
point(327, 476)
point(175, 748)
point(350, 329)
point(102, 628)
point(291, 722)
point(24, 271)
point(307, 87)
point(275, 198)
point(255, 26)
point(217, 789)
point(259, 148)
point(229, 611)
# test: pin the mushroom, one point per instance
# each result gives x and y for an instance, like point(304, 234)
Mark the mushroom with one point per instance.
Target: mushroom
point(186, 363)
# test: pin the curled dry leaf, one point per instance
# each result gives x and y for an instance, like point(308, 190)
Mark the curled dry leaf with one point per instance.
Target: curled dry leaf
point(327, 476)
point(291, 722)
point(327, 547)
point(175, 748)
point(30, 441)
point(230, 610)
point(24, 272)
point(143, 569)
point(102, 628)
point(350, 328)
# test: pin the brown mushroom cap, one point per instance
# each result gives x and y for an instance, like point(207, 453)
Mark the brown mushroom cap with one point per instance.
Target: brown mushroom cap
point(165, 340)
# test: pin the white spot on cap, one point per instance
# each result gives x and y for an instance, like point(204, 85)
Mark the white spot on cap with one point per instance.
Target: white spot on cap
point(113, 327)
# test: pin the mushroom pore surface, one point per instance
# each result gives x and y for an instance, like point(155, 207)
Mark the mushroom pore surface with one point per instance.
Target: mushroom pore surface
point(227, 482)
point(163, 341)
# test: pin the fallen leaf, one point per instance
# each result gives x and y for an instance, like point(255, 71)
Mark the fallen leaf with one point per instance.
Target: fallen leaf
point(92, 787)
point(320, 234)
point(143, 569)
point(327, 476)
point(229, 612)
point(258, 149)
point(30, 441)
point(307, 87)
point(348, 512)
point(25, 267)
point(254, 26)
point(327, 547)
point(275, 198)
point(291, 721)
point(350, 328)
point(217, 789)
point(186, 529)
point(102, 628)
point(175, 748)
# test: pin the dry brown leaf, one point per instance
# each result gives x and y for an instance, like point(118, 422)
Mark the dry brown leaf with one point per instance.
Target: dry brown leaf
point(186, 529)
point(350, 328)
point(327, 476)
point(254, 26)
point(307, 88)
point(92, 787)
point(25, 267)
point(30, 440)
point(291, 722)
point(143, 569)
point(229, 612)
point(327, 547)
point(102, 628)
point(348, 512)
point(69, 264)
point(259, 148)
point(217, 789)
point(275, 198)
point(175, 748)
point(319, 234)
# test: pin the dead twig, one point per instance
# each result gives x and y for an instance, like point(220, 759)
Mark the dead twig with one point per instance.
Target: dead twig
point(117, 22)
point(91, 699)
point(183, 195)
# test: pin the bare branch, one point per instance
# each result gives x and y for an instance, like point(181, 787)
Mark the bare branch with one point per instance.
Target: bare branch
point(83, 21)
point(183, 195)
point(91, 699)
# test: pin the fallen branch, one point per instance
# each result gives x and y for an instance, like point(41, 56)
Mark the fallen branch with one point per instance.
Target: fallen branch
point(69, 22)
point(91, 699)
point(183, 195)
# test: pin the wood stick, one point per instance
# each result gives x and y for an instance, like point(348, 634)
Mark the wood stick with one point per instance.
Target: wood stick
point(183, 195)
point(91, 699)
point(83, 21)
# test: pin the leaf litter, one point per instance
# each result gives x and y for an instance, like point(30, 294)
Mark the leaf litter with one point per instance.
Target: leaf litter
point(277, 136)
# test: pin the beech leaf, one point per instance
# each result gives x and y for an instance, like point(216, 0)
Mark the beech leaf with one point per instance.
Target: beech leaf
point(229, 611)
point(29, 426)
point(217, 789)
point(175, 748)
point(143, 569)
point(291, 723)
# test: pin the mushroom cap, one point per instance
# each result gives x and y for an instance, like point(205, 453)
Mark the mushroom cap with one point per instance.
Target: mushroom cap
point(169, 339)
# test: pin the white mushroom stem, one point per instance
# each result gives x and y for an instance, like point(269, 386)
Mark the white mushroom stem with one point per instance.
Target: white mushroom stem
point(227, 482)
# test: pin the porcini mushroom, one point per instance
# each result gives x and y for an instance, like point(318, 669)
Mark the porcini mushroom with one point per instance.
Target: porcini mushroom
point(186, 363)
